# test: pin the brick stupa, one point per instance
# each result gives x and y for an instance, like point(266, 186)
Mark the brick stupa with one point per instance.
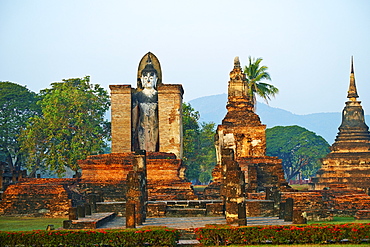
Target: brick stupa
point(241, 130)
point(348, 163)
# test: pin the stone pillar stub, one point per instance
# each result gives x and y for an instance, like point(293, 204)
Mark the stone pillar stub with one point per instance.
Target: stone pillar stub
point(87, 209)
point(130, 215)
point(242, 214)
point(137, 186)
point(92, 201)
point(288, 212)
point(72, 214)
point(81, 211)
point(281, 210)
point(121, 118)
point(170, 118)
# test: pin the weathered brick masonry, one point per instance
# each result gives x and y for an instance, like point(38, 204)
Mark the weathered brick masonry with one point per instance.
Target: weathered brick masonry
point(40, 197)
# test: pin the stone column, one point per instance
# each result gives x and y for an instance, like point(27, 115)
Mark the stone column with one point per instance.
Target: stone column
point(170, 118)
point(87, 209)
point(140, 163)
point(288, 212)
point(234, 189)
point(276, 197)
point(269, 193)
point(242, 214)
point(121, 118)
point(130, 215)
point(92, 201)
point(81, 211)
point(136, 186)
point(281, 210)
point(72, 214)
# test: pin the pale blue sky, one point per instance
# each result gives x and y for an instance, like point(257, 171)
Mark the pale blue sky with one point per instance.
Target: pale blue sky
point(306, 44)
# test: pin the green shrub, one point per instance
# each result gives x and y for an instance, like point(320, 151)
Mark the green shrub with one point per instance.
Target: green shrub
point(288, 234)
point(124, 237)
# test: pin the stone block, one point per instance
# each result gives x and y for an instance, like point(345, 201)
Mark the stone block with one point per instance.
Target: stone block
point(299, 217)
point(156, 209)
point(213, 209)
point(260, 208)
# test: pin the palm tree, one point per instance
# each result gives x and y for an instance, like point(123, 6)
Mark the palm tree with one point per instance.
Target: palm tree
point(254, 75)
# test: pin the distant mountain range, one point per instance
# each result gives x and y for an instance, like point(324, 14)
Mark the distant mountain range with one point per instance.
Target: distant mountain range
point(213, 109)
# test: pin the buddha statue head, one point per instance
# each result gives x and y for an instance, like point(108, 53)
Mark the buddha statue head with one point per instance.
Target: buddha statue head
point(149, 75)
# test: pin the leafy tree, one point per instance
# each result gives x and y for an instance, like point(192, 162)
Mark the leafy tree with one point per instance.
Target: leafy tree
point(199, 152)
point(207, 154)
point(255, 74)
point(191, 131)
point(71, 127)
point(299, 148)
point(17, 105)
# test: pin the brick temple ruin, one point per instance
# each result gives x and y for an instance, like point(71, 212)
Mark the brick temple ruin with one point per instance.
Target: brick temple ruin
point(243, 169)
point(149, 118)
point(144, 174)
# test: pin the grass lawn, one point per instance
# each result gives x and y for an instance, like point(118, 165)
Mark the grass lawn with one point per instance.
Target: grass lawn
point(199, 188)
point(300, 245)
point(28, 223)
point(300, 187)
point(340, 220)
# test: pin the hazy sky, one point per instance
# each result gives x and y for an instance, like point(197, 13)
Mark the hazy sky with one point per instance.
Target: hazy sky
point(307, 45)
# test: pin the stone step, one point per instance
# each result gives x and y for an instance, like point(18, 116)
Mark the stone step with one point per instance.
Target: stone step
point(186, 243)
point(92, 221)
point(189, 212)
point(187, 234)
point(187, 238)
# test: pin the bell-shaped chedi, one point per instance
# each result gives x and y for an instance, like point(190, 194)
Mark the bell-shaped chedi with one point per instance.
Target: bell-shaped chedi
point(353, 133)
point(348, 163)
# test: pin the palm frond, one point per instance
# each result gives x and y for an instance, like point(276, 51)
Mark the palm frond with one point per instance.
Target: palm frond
point(255, 74)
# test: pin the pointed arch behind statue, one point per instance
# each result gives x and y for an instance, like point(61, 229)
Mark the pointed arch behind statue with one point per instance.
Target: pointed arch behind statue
point(156, 65)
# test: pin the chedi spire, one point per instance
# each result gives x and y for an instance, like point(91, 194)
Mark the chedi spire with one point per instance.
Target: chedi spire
point(353, 133)
point(352, 91)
